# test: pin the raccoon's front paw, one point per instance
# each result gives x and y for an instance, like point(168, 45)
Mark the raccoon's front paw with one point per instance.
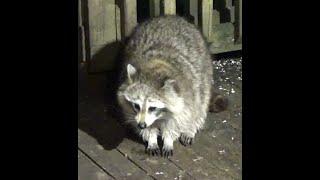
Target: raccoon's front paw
point(153, 150)
point(167, 151)
point(186, 140)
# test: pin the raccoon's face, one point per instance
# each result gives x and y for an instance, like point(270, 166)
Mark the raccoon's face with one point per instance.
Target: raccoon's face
point(147, 108)
point(145, 104)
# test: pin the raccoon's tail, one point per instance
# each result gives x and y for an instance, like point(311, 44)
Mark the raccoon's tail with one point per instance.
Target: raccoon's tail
point(218, 103)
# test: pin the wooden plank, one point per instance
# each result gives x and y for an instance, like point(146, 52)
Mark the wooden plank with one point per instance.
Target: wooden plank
point(101, 23)
point(232, 14)
point(112, 161)
point(80, 45)
point(215, 17)
point(219, 153)
point(195, 165)
point(206, 11)
point(220, 142)
point(154, 8)
point(88, 170)
point(102, 34)
point(228, 48)
point(128, 10)
point(81, 39)
point(231, 9)
point(169, 7)
point(194, 11)
point(118, 22)
point(158, 167)
point(238, 20)
point(240, 23)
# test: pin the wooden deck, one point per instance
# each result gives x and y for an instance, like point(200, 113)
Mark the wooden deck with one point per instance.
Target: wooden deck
point(107, 151)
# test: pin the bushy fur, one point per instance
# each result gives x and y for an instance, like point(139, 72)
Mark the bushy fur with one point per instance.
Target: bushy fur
point(171, 63)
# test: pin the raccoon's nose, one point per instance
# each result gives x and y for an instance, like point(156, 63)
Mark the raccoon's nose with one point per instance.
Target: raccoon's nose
point(142, 125)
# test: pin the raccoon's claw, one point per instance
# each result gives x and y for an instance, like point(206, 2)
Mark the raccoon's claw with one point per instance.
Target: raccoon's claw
point(185, 140)
point(154, 151)
point(167, 152)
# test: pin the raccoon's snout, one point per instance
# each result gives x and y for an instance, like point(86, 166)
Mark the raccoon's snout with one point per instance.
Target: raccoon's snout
point(142, 125)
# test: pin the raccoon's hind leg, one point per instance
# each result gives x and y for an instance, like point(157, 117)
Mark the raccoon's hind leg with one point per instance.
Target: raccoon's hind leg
point(151, 135)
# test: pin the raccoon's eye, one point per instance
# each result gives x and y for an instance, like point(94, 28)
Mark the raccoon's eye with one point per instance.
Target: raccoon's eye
point(152, 109)
point(136, 106)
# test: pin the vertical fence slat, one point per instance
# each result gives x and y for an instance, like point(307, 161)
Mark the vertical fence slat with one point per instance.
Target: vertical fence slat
point(154, 8)
point(80, 34)
point(194, 11)
point(101, 23)
point(129, 13)
point(231, 10)
point(238, 20)
point(207, 8)
point(169, 7)
point(102, 35)
point(240, 23)
point(215, 17)
point(118, 22)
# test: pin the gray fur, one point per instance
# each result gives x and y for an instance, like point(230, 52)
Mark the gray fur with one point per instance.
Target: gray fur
point(173, 65)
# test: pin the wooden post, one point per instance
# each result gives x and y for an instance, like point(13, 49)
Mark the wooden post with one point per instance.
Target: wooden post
point(102, 35)
point(129, 16)
point(240, 23)
point(215, 17)
point(238, 20)
point(101, 23)
point(118, 22)
point(194, 11)
point(154, 8)
point(231, 10)
point(80, 35)
point(207, 8)
point(169, 7)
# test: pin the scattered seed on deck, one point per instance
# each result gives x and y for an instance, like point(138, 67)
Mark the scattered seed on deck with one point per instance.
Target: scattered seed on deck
point(222, 151)
point(197, 159)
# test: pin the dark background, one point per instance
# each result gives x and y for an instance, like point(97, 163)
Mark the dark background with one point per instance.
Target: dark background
point(40, 79)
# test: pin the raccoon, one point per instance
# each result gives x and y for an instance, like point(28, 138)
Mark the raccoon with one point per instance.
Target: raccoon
point(166, 82)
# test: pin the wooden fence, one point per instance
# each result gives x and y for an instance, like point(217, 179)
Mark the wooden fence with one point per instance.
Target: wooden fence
point(103, 24)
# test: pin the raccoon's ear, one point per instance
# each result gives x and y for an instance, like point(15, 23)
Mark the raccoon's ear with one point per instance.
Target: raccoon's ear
point(171, 85)
point(131, 71)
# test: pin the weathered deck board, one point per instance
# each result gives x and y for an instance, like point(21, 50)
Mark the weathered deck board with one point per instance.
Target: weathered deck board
point(111, 161)
point(220, 142)
point(158, 167)
point(196, 165)
point(88, 170)
point(218, 153)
